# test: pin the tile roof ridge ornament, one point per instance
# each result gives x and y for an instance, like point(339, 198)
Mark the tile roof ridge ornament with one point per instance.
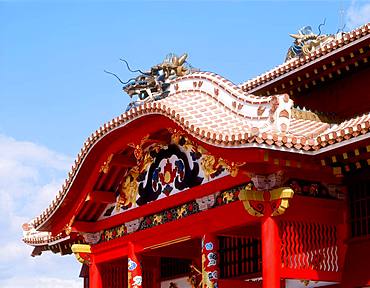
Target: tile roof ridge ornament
point(281, 112)
point(306, 42)
point(153, 85)
point(341, 40)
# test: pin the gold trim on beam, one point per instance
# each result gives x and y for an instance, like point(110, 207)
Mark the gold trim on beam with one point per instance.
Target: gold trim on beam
point(281, 193)
point(81, 248)
point(284, 204)
point(105, 167)
point(167, 243)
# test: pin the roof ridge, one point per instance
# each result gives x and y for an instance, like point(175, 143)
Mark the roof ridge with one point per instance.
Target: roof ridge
point(294, 63)
point(244, 134)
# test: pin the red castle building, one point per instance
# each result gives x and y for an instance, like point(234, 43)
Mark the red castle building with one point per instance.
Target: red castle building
point(204, 183)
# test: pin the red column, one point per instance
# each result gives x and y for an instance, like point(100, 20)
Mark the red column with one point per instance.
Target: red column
point(95, 280)
point(135, 277)
point(271, 259)
point(210, 269)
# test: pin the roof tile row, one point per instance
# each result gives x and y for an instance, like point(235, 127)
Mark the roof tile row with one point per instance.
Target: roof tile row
point(297, 62)
point(209, 120)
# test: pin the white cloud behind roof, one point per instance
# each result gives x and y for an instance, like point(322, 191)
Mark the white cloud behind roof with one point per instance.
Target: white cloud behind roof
point(30, 176)
point(357, 14)
point(43, 282)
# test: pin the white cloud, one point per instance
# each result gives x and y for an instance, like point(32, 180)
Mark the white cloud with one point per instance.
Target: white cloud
point(357, 14)
point(40, 282)
point(30, 176)
point(12, 251)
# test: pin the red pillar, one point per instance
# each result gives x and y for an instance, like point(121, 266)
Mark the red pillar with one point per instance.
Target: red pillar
point(210, 269)
point(271, 259)
point(95, 280)
point(135, 277)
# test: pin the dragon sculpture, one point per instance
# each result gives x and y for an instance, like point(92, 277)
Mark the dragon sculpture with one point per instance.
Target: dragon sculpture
point(153, 84)
point(306, 41)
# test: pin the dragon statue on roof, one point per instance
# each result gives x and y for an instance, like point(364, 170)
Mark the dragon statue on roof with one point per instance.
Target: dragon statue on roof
point(153, 84)
point(306, 41)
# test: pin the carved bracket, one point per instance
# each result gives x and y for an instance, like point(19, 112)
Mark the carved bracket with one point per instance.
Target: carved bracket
point(260, 198)
point(82, 253)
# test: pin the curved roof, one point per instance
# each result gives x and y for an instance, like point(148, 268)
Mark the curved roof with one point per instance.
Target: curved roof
point(219, 113)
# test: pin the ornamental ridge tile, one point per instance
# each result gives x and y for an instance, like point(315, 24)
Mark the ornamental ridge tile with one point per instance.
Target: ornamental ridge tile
point(294, 63)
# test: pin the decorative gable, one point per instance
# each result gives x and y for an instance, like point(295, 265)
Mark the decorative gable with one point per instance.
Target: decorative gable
point(165, 169)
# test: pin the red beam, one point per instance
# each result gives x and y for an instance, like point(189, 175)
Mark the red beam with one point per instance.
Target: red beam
point(111, 178)
point(91, 213)
point(122, 161)
point(105, 197)
point(311, 275)
point(304, 208)
point(195, 226)
point(162, 204)
point(301, 207)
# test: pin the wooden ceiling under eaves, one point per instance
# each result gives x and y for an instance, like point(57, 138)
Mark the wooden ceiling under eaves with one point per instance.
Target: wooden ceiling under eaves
point(335, 84)
point(108, 183)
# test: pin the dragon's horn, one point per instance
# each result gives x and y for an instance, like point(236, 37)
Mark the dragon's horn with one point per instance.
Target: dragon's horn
point(182, 58)
point(175, 60)
point(295, 36)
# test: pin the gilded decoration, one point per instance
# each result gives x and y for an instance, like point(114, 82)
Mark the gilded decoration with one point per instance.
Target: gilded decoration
point(128, 191)
point(82, 253)
point(306, 41)
point(255, 201)
point(264, 196)
point(105, 167)
point(266, 203)
point(164, 169)
point(171, 214)
point(271, 193)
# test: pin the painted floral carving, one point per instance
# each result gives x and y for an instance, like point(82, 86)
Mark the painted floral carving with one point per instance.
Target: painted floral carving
point(257, 201)
point(165, 169)
point(172, 214)
point(171, 169)
point(315, 189)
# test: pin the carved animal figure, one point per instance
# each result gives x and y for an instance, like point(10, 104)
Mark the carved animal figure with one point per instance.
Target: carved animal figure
point(173, 65)
point(306, 41)
point(150, 85)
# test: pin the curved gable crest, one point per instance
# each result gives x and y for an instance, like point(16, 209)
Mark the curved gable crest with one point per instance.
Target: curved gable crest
point(165, 169)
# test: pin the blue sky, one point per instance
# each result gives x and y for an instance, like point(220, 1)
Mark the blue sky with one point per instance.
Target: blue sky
point(54, 92)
